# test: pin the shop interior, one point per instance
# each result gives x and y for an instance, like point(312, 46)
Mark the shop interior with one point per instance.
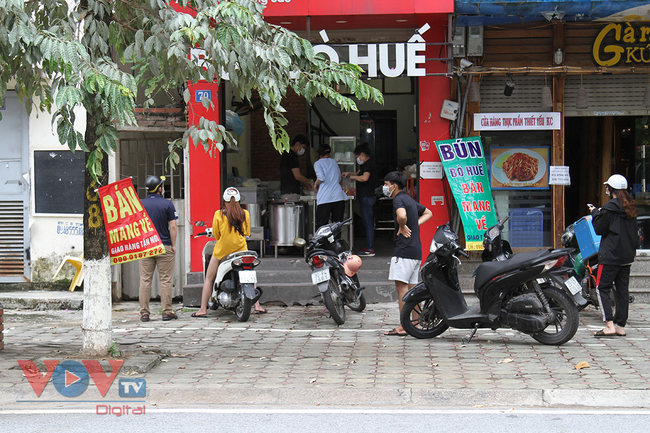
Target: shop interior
point(390, 130)
point(597, 147)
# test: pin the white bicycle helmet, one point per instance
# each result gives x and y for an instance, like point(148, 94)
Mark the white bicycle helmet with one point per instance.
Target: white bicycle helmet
point(616, 181)
point(230, 193)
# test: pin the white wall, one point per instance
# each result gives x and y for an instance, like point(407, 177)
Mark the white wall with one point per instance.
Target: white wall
point(53, 236)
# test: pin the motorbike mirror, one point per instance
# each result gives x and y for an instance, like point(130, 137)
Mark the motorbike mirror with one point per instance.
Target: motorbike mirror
point(299, 242)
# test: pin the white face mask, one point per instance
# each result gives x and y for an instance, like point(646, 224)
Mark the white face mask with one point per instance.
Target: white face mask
point(386, 190)
point(608, 192)
point(301, 152)
point(359, 161)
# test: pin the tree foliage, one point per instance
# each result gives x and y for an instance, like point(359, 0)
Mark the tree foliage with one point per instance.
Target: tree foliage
point(60, 56)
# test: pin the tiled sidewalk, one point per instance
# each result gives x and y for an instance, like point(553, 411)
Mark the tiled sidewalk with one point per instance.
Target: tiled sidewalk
point(300, 350)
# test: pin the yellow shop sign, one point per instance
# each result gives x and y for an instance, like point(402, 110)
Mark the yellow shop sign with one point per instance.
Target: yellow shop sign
point(622, 43)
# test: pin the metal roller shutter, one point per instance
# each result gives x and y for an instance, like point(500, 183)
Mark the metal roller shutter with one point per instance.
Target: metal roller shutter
point(608, 95)
point(526, 97)
point(12, 247)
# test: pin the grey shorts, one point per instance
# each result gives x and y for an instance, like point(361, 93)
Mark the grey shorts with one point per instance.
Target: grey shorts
point(404, 270)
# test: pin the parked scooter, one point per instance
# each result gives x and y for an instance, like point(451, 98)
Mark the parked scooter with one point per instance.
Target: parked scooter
point(496, 248)
point(509, 293)
point(235, 284)
point(334, 270)
point(585, 268)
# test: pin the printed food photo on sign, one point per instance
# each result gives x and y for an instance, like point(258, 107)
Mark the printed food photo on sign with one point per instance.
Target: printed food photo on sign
point(519, 167)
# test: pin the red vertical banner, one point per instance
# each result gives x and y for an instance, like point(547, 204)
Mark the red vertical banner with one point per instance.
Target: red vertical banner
point(131, 234)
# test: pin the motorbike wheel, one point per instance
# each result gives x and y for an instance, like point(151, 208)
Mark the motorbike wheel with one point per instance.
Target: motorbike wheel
point(566, 313)
point(333, 300)
point(429, 322)
point(359, 304)
point(243, 309)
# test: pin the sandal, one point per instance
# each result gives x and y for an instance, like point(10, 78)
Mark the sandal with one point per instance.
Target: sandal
point(203, 316)
point(394, 332)
point(262, 311)
point(602, 334)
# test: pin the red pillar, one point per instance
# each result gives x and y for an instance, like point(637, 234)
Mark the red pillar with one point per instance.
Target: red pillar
point(432, 91)
point(204, 172)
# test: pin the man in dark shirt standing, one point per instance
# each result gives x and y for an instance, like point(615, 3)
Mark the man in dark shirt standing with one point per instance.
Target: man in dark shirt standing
point(290, 176)
point(163, 215)
point(409, 215)
point(366, 179)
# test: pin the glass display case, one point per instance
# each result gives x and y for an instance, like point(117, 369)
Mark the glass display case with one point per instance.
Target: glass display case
point(343, 153)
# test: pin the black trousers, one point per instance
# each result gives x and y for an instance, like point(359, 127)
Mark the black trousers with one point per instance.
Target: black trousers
point(617, 277)
point(323, 212)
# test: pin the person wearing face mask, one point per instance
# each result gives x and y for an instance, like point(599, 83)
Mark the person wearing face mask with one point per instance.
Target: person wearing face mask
point(366, 179)
point(330, 199)
point(409, 215)
point(616, 223)
point(163, 216)
point(290, 176)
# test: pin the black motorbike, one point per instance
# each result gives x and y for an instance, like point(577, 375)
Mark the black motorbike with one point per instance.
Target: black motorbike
point(585, 269)
point(327, 255)
point(514, 293)
point(497, 248)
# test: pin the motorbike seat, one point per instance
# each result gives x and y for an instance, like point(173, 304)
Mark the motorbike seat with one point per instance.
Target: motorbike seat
point(488, 270)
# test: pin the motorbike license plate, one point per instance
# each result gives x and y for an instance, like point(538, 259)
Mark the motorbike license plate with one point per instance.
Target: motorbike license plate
point(320, 276)
point(247, 277)
point(573, 285)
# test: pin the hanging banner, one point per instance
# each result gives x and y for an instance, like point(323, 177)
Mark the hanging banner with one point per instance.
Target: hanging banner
point(464, 162)
point(131, 234)
point(518, 121)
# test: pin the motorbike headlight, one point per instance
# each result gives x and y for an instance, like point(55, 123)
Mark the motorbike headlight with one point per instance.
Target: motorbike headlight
point(494, 232)
point(434, 246)
point(326, 230)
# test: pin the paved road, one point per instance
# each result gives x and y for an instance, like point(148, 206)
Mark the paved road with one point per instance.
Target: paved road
point(278, 420)
point(298, 356)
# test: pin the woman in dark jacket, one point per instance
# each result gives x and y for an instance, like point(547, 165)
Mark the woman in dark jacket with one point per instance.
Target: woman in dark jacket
point(616, 223)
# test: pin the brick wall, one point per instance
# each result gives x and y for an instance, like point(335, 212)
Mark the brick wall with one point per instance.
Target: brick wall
point(265, 160)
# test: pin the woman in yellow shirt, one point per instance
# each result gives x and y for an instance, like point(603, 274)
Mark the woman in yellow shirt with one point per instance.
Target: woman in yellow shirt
point(230, 226)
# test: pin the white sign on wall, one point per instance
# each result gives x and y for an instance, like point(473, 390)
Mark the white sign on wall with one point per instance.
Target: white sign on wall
point(559, 175)
point(431, 170)
point(517, 121)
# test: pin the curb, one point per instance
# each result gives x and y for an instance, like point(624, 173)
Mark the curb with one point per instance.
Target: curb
point(402, 398)
point(169, 397)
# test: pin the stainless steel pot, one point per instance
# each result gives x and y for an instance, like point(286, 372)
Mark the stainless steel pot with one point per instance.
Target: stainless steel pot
point(286, 222)
point(255, 211)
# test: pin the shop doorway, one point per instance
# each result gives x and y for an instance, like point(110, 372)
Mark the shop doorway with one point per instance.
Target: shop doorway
point(379, 130)
point(14, 192)
point(595, 148)
point(393, 140)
